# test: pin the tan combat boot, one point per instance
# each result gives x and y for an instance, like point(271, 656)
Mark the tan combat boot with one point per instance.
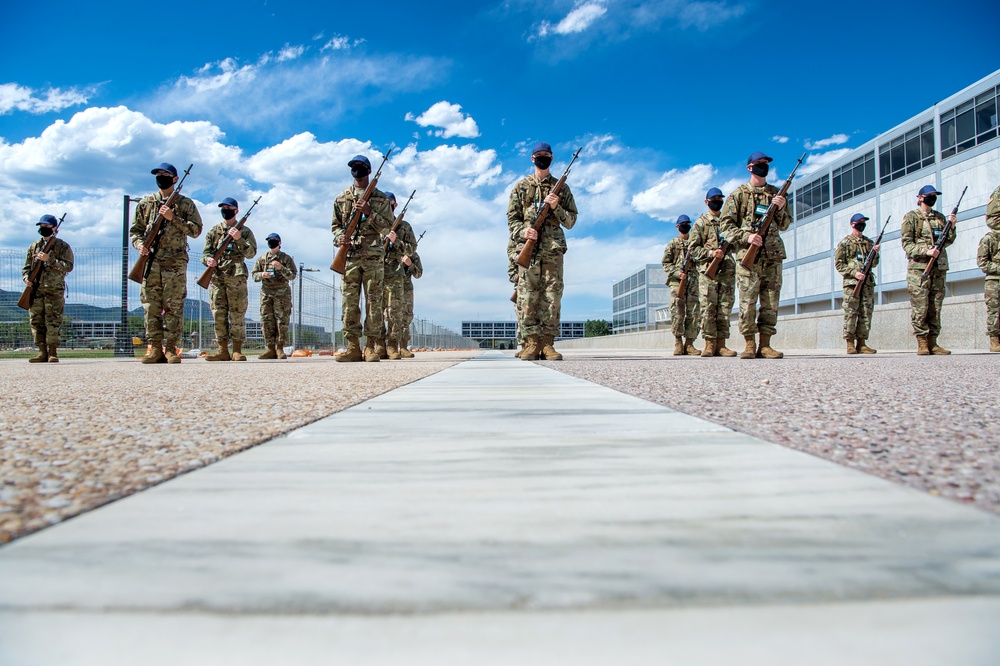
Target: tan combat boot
point(517, 352)
point(679, 349)
point(53, 353)
point(995, 343)
point(765, 350)
point(851, 349)
point(932, 344)
point(549, 352)
point(709, 348)
point(922, 348)
point(42, 356)
point(722, 350)
point(238, 351)
point(170, 352)
point(689, 347)
point(750, 351)
point(222, 354)
point(865, 349)
point(392, 350)
point(530, 350)
point(280, 351)
point(154, 354)
point(269, 355)
point(403, 351)
point(379, 347)
point(352, 354)
point(371, 351)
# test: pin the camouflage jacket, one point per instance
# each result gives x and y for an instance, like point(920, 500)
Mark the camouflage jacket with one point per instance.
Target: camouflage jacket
point(919, 233)
point(416, 269)
point(367, 240)
point(52, 278)
point(849, 258)
point(673, 258)
point(706, 237)
point(993, 210)
point(405, 244)
point(173, 240)
point(278, 282)
point(526, 200)
point(231, 262)
point(743, 210)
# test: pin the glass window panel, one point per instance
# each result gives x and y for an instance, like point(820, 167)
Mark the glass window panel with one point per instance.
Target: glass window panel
point(837, 190)
point(948, 137)
point(986, 116)
point(965, 129)
point(847, 178)
point(897, 160)
point(912, 150)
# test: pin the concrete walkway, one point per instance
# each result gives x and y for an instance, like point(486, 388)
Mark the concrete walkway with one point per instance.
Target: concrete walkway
point(500, 512)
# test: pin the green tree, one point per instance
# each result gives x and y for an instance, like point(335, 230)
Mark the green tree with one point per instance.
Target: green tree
point(594, 328)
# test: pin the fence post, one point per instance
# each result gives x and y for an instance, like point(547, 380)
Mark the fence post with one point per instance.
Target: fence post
point(123, 341)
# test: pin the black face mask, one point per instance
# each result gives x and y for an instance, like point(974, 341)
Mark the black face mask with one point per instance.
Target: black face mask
point(164, 182)
point(228, 213)
point(273, 243)
point(714, 206)
point(860, 226)
point(760, 169)
point(543, 162)
point(930, 199)
point(683, 228)
point(360, 172)
point(45, 231)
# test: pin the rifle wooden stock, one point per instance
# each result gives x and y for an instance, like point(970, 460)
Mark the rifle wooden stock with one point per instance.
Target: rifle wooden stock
point(869, 260)
point(206, 277)
point(138, 272)
point(339, 264)
point(524, 258)
point(513, 297)
point(682, 286)
point(716, 263)
point(396, 223)
point(751, 255)
point(944, 235)
point(28, 295)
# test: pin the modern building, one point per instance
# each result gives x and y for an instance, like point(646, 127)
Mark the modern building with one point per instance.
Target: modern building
point(636, 298)
point(503, 334)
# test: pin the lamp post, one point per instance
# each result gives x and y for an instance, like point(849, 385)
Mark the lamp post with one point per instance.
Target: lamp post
point(298, 329)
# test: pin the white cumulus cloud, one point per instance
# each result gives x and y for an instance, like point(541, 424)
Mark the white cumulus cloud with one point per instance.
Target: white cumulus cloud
point(779, 139)
point(680, 191)
point(835, 140)
point(14, 97)
point(578, 20)
point(449, 118)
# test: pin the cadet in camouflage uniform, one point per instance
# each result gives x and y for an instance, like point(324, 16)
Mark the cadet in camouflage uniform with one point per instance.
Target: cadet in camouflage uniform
point(743, 210)
point(274, 270)
point(392, 289)
point(227, 293)
point(540, 286)
point(988, 259)
point(413, 270)
point(365, 260)
point(921, 229)
point(165, 286)
point(46, 311)
point(685, 310)
point(849, 259)
point(717, 296)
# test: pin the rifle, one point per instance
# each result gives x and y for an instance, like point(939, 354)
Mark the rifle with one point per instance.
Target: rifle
point(713, 266)
point(867, 267)
point(524, 258)
point(339, 264)
point(35, 276)
point(206, 277)
point(939, 245)
point(682, 287)
point(152, 241)
point(765, 223)
point(399, 218)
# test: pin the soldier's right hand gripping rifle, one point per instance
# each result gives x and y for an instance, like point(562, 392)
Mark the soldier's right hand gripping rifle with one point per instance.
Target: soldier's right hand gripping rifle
point(716, 263)
point(866, 268)
point(152, 240)
point(37, 266)
point(339, 264)
point(762, 227)
point(939, 245)
point(524, 258)
point(685, 267)
point(397, 222)
point(206, 277)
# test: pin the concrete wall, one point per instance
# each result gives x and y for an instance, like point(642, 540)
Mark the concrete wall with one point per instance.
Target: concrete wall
point(963, 322)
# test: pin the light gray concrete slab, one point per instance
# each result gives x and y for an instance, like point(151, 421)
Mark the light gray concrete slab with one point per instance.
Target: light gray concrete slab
point(501, 498)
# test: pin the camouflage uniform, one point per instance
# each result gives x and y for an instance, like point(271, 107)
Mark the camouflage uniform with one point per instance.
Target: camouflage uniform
point(46, 312)
point(919, 232)
point(988, 259)
point(849, 258)
point(716, 296)
point(410, 273)
point(227, 294)
point(365, 260)
point(165, 287)
point(275, 297)
point(685, 310)
point(743, 208)
point(540, 286)
point(392, 290)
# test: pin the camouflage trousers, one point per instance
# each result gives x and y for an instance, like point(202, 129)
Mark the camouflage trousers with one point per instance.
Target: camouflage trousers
point(45, 316)
point(162, 295)
point(227, 296)
point(926, 298)
point(539, 296)
point(992, 307)
point(393, 301)
point(275, 311)
point(407, 307)
point(858, 312)
point(685, 309)
point(762, 284)
point(363, 274)
point(717, 298)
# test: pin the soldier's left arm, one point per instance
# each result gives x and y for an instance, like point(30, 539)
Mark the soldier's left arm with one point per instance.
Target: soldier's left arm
point(878, 255)
point(190, 218)
point(382, 216)
point(841, 261)
point(417, 269)
point(247, 244)
point(407, 239)
point(985, 257)
point(566, 211)
point(783, 218)
point(292, 270)
point(62, 258)
point(952, 234)
point(993, 206)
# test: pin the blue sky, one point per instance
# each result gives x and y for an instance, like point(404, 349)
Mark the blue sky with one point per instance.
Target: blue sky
point(667, 98)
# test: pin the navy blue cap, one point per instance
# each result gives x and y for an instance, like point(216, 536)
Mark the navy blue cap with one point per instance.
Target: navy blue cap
point(362, 159)
point(47, 219)
point(927, 189)
point(274, 236)
point(540, 146)
point(857, 217)
point(681, 219)
point(229, 201)
point(756, 157)
point(389, 195)
point(714, 192)
point(165, 167)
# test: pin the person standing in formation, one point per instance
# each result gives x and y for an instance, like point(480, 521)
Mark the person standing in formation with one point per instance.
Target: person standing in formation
point(365, 260)
point(988, 259)
point(716, 296)
point(274, 270)
point(392, 290)
point(922, 228)
point(413, 269)
point(849, 259)
point(742, 212)
point(164, 287)
point(48, 300)
point(227, 294)
point(684, 308)
point(540, 286)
